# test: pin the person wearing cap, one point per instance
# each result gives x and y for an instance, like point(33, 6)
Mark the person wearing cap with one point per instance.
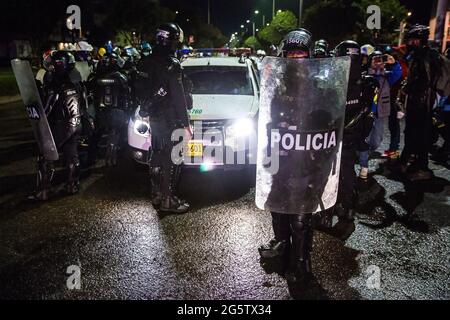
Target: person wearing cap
point(382, 107)
point(397, 113)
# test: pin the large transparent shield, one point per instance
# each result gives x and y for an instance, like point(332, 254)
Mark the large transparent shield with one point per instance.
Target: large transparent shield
point(301, 123)
point(33, 104)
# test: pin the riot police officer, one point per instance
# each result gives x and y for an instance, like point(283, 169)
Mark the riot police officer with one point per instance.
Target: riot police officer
point(146, 49)
point(321, 49)
point(61, 100)
point(427, 76)
point(293, 232)
point(112, 102)
point(359, 117)
point(161, 94)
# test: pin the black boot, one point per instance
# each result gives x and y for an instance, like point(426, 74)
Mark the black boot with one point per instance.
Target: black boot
point(111, 155)
point(279, 246)
point(43, 180)
point(174, 205)
point(170, 202)
point(300, 269)
point(274, 249)
point(73, 179)
point(345, 226)
point(155, 179)
point(323, 221)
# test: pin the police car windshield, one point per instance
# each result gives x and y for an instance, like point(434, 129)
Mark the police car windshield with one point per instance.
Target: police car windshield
point(226, 80)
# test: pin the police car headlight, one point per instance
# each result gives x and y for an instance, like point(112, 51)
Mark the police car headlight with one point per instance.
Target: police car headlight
point(240, 128)
point(141, 125)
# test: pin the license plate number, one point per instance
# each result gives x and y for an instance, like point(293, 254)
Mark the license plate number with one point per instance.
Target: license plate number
point(195, 149)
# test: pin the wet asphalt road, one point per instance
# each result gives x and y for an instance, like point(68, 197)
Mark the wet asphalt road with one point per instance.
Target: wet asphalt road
point(126, 250)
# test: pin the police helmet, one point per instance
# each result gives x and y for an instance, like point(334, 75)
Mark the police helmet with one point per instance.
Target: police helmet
point(62, 61)
point(146, 49)
point(169, 36)
point(320, 49)
point(347, 48)
point(420, 32)
point(47, 60)
point(299, 40)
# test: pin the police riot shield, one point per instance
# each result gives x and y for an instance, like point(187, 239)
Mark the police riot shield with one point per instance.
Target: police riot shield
point(300, 130)
point(33, 104)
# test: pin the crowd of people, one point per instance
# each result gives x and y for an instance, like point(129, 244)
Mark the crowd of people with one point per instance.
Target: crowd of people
point(386, 84)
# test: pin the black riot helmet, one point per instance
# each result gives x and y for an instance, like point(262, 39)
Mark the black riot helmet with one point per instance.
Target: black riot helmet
point(417, 36)
point(353, 50)
point(298, 42)
point(347, 48)
point(63, 62)
point(169, 36)
point(418, 31)
point(321, 49)
point(110, 62)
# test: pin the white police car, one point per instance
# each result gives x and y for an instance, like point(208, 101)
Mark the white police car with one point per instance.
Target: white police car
point(224, 115)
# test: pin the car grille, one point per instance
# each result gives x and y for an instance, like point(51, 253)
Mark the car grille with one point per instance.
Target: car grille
point(210, 126)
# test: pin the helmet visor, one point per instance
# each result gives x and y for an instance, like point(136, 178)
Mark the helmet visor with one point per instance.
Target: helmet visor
point(297, 54)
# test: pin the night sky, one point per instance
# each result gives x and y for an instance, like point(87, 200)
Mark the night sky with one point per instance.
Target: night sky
point(228, 15)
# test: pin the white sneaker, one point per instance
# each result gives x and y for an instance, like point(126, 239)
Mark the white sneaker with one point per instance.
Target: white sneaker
point(364, 173)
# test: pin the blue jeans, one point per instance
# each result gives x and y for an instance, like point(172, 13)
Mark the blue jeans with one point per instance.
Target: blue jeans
point(374, 140)
point(364, 159)
point(376, 135)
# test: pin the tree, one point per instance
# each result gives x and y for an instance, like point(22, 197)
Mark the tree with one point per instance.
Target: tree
point(252, 42)
point(339, 20)
point(208, 36)
point(392, 13)
point(333, 20)
point(234, 42)
point(282, 23)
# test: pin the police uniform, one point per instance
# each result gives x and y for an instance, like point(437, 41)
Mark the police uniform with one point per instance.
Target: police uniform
point(62, 106)
point(161, 91)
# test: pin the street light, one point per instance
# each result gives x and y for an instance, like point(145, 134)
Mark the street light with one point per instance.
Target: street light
point(263, 18)
point(300, 12)
point(273, 9)
point(409, 14)
point(209, 12)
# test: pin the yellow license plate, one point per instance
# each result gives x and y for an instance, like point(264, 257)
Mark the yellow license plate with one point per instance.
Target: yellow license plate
point(195, 149)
